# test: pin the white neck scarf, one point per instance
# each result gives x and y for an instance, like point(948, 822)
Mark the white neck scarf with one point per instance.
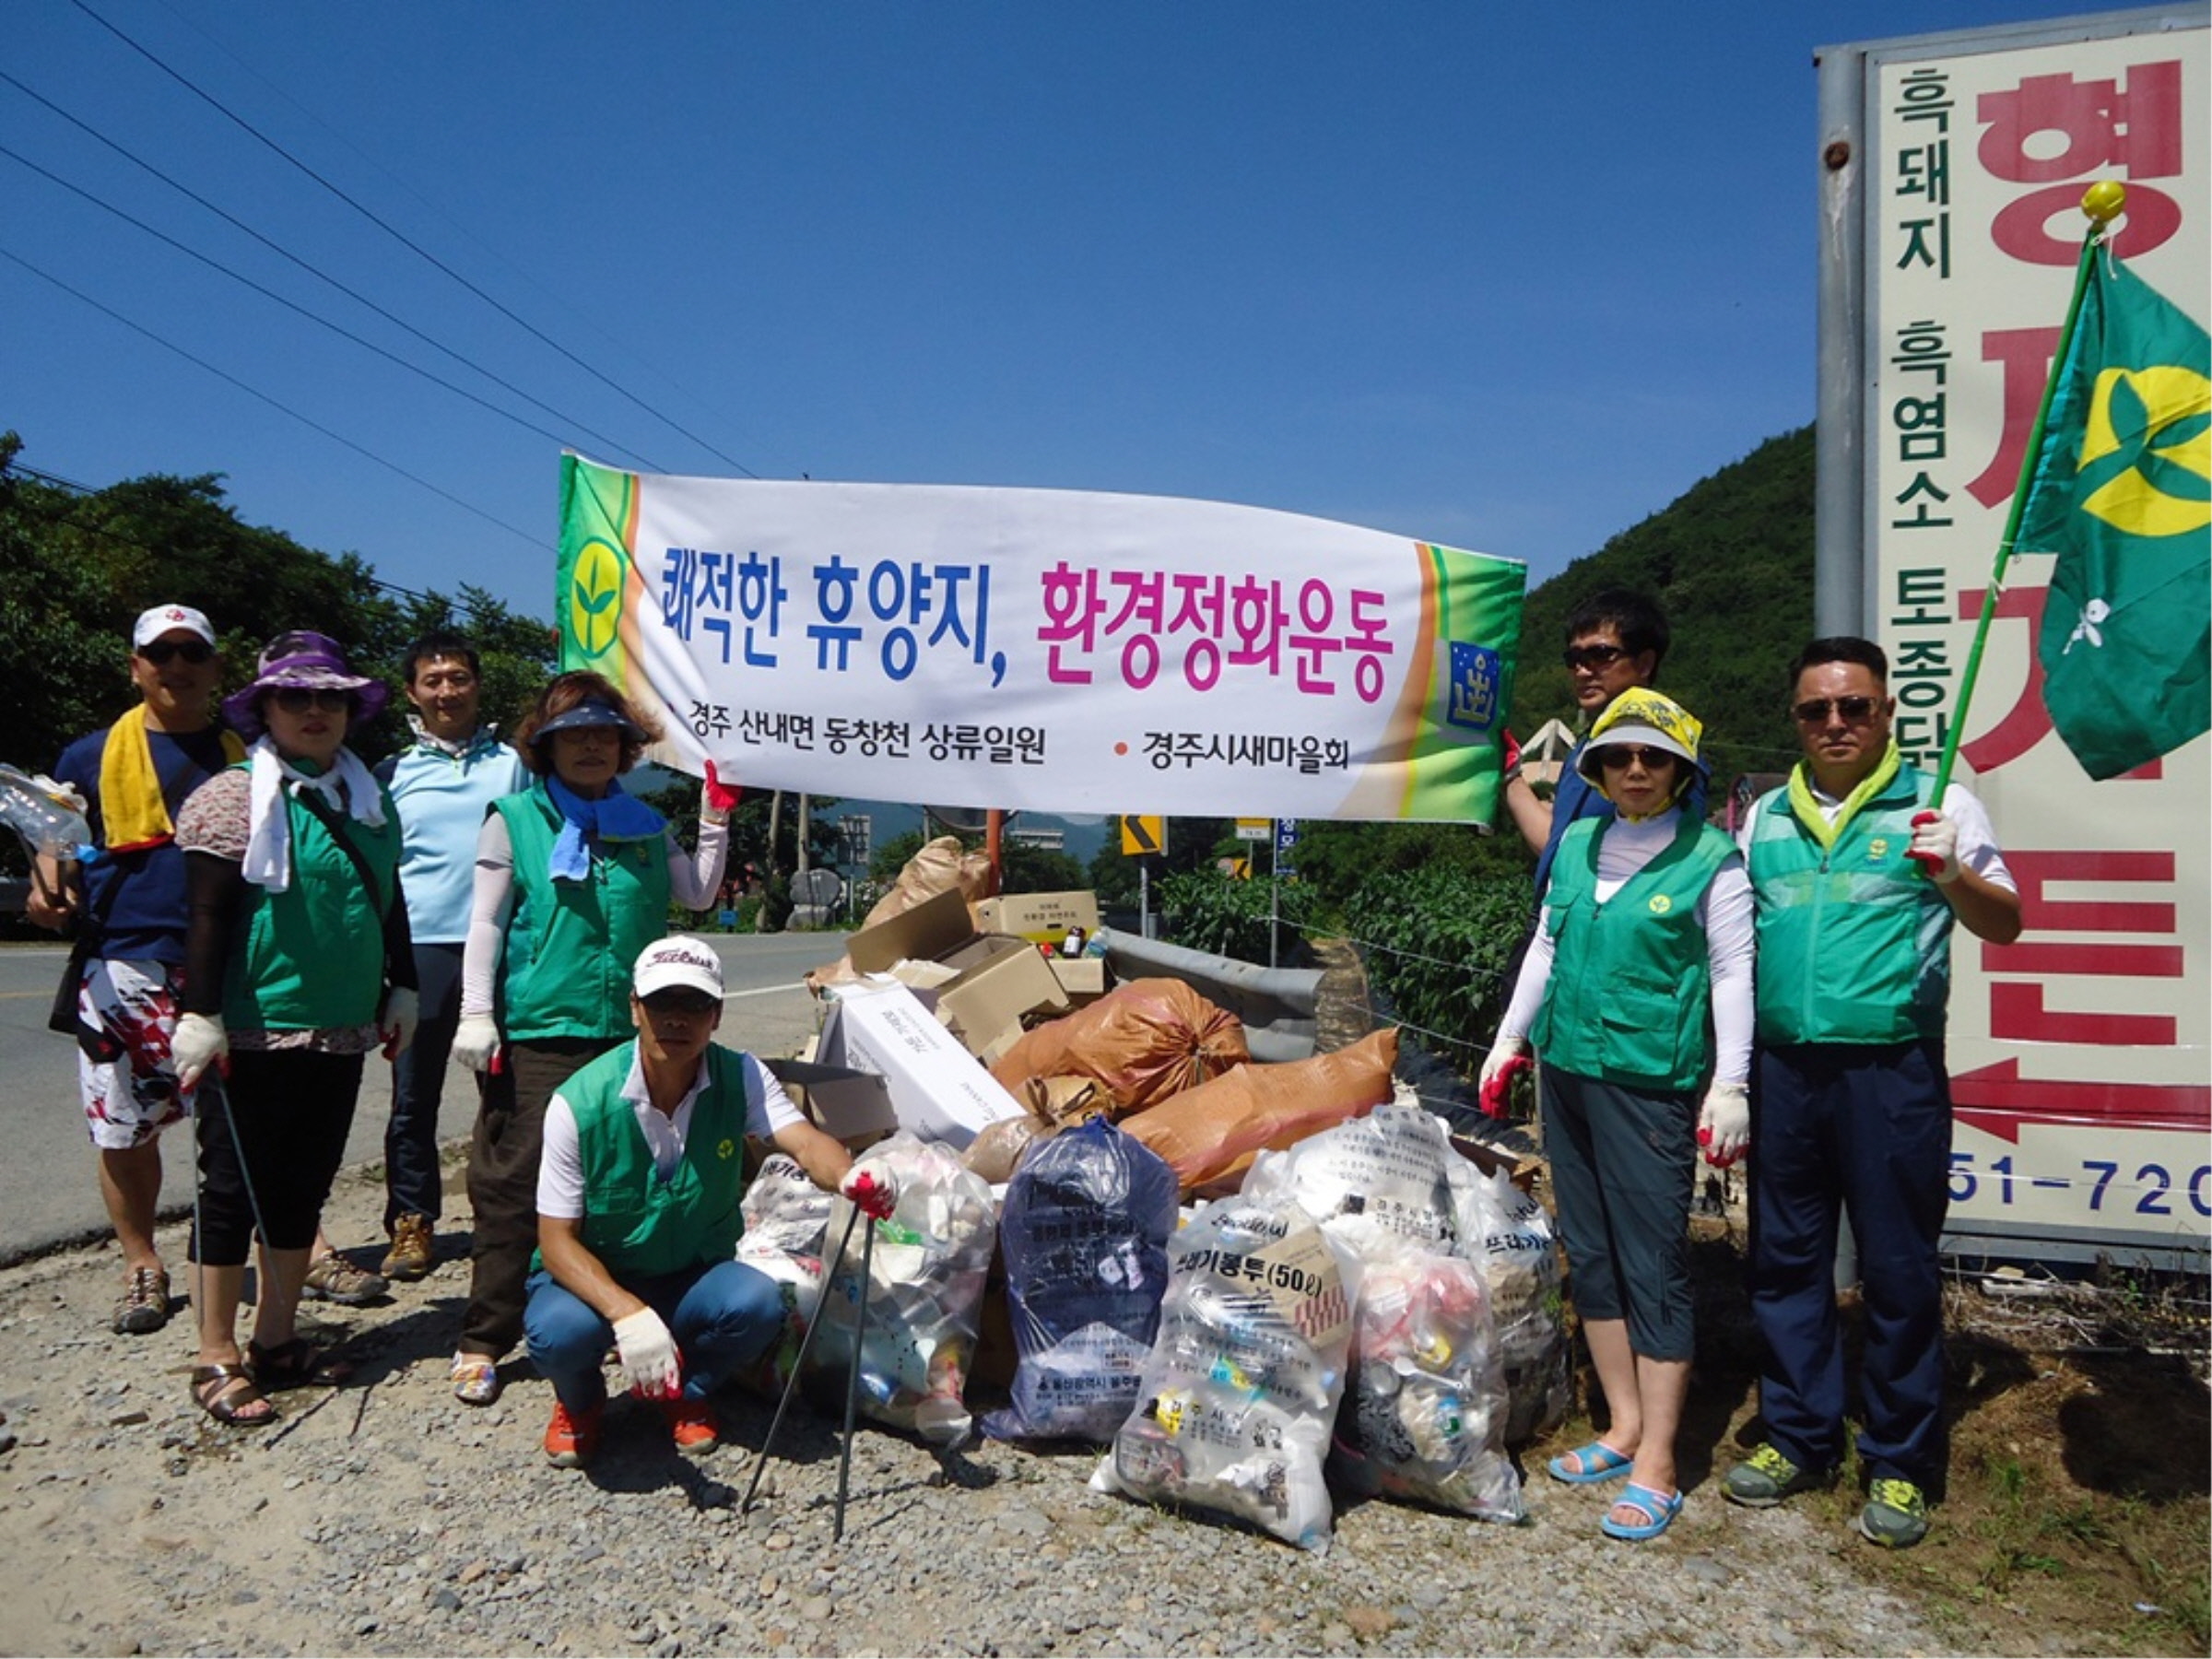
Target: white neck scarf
point(346, 786)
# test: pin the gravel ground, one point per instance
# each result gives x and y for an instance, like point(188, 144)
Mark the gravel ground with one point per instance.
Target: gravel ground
point(387, 1518)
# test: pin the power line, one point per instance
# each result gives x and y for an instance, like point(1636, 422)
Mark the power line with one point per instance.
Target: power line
point(312, 270)
point(408, 242)
point(283, 408)
point(291, 305)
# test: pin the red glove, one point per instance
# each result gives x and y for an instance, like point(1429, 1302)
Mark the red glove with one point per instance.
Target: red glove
point(872, 1197)
point(1496, 1093)
point(720, 797)
point(1509, 757)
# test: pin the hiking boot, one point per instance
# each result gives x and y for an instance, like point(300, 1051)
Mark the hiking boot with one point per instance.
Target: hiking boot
point(143, 1306)
point(691, 1426)
point(571, 1441)
point(1765, 1479)
point(331, 1277)
point(1896, 1515)
point(414, 1250)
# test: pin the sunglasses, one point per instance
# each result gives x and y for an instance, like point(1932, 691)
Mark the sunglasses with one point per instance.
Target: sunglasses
point(195, 652)
point(299, 700)
point(1618, 757)
point(1814, 711)
point(693, 1003)
point(1591, 656)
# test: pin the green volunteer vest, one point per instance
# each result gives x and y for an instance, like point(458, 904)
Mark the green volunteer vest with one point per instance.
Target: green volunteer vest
point(570, 945)
point(1630, 996)
point(312, 957)
point(637, 1224)
point(1854, 941)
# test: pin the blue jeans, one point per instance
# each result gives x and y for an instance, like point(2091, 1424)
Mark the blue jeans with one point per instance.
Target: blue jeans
point(722, 1318)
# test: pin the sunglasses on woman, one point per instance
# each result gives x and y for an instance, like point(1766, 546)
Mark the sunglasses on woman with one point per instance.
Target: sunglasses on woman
point(195, 652)
point(299, 700)
point(1617, 756)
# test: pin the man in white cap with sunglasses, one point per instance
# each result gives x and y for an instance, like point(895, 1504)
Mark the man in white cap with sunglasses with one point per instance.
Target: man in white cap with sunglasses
point(1857, 876)
point(637, 1211)
point(128, 901)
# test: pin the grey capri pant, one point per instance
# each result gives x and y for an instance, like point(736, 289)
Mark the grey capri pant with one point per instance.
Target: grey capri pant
point(1622, 1166)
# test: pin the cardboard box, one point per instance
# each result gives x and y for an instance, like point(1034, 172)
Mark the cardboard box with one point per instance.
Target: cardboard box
point(1042, 918)
point(1009, 978)
point(848, 1105)
point(1082, 978)
point(928, 933)
point(937, 1088)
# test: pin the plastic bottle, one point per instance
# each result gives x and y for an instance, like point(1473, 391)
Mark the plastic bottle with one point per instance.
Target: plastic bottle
point(36, 809)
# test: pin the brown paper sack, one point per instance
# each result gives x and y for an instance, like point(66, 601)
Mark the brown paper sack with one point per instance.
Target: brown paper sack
point(1141, 1043)
point(1209, 1133)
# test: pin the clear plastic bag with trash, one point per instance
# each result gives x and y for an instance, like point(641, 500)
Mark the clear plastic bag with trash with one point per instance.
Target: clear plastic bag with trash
point(1424, 1416)
point(1387, 1174)
point(49, 818)
point(1083, 1239)
point(924, 1292)
point(1239, 1398)
point(1509, 1235)
point(785, 1218)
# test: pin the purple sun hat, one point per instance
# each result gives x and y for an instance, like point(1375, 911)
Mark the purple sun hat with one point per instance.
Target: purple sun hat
point(307, 661)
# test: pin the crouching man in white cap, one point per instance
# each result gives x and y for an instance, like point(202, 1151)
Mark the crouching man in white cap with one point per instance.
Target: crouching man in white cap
point(637, 1211)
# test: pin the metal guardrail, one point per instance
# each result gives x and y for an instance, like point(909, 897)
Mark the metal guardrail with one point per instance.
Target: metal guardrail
point(1276, 1004)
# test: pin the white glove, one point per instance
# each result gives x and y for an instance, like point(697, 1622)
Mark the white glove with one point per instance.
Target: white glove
point(475, 1039)
point(199, 1042)
point(649, 1362)
point(397, 1024)
point(1725, 1124)
point(1936, 845)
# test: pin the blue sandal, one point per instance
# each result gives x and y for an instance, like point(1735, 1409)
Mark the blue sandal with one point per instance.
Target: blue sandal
point(1659, 1508)
point(1598, 1461)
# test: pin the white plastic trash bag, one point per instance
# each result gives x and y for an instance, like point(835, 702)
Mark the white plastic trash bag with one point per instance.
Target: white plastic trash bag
point(1423, 1417)
point(785, 1216)
point(1389, 1173)
point(925, 1292)
point(1507, 1234)
point(1242, 1390)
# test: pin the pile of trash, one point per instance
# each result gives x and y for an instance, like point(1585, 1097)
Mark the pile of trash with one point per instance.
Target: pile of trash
point(1262, 1287)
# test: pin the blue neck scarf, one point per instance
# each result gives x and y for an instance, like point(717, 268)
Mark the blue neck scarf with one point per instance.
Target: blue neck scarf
point(615, 816)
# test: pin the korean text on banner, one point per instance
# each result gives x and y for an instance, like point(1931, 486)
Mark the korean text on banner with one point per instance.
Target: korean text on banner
point(2123, 494)
point(1053, 650)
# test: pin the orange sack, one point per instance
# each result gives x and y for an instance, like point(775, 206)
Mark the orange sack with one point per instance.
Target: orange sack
point(1141, 1043)
point(1209, 1135)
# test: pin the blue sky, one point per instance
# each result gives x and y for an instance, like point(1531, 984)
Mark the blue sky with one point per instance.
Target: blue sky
point(1508, 277)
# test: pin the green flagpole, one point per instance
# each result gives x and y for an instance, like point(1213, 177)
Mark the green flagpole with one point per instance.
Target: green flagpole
point(2102, 203)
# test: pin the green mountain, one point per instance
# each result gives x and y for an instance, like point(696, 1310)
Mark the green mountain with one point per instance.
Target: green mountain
point(1731, 560)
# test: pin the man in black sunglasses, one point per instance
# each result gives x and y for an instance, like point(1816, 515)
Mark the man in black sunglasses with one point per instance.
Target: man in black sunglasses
point(128, 905)
point(1857, 875)
point(1615, 639)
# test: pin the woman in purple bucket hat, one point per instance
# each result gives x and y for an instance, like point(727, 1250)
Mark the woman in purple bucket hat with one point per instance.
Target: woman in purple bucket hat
point(297, 963)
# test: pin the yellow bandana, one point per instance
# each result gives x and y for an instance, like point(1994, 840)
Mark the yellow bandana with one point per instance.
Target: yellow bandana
point(132, 812)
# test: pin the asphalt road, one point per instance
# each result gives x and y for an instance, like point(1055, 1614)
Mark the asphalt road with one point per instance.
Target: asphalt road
point(48, 1191)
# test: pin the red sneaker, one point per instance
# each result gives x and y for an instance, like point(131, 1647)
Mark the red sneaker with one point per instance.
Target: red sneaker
point(571, 1441)
point(691, 1426)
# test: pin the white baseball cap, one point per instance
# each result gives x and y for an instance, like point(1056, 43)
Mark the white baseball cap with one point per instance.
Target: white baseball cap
point(151, 625)
point(678, 961)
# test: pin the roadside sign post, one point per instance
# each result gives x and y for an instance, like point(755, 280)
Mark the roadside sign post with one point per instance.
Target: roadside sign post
point(1142, 837)
point(1286, 838)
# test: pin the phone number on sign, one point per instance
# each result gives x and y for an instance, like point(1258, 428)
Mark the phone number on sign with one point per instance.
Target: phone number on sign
point(2156, 1189)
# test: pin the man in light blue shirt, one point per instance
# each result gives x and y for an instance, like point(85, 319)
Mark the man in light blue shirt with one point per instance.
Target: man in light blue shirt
point(443, 786)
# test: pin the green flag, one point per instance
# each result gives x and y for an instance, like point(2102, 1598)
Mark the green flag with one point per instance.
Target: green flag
point(2120, 493)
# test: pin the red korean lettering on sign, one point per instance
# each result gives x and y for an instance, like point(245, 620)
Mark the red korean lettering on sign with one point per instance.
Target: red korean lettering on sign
point(2059, 133)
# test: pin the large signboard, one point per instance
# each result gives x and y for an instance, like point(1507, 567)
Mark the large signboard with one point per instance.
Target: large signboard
point(1051, 650)
point(2078, 1054)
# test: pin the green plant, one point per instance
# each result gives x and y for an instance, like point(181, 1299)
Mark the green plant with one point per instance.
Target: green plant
point(1438, 940)
point(1208, 910)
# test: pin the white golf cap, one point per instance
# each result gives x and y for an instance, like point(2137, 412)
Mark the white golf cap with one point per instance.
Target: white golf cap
point(151, 625)
point(678, 961)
